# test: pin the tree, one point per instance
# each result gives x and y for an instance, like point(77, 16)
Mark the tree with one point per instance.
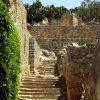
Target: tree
point(90, 11)
point(75, 10)
point(33, 14)
point(85, 3)
point(37, 12)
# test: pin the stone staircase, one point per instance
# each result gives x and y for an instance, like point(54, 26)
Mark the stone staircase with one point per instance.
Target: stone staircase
point(47, 68)
point(41, 89)
point(43, 84)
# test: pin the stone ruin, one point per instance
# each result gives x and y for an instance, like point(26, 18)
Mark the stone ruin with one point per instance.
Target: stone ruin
point(56, 53)
point(40, 59)
point(18, 14)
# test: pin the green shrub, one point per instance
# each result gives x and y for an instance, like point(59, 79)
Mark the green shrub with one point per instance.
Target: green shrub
point(82, 42)
point(9, 56)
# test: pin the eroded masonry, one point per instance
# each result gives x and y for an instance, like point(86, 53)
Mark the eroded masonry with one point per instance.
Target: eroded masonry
point(73, 50)
point(58, 61)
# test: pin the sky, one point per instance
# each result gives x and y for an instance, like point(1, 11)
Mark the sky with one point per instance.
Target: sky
point(66, 3)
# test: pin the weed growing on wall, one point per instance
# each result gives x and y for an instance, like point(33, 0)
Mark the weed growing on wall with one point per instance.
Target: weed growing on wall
point(9, 56)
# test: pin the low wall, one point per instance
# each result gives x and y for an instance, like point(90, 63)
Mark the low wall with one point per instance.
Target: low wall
point(55, 44)
point(53, 38)
point(41, 32)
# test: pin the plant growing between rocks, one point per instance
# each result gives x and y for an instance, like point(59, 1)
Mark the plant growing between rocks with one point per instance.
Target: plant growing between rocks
point(9, 56)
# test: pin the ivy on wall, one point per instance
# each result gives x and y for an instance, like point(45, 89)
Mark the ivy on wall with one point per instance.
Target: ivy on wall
point(9, 56)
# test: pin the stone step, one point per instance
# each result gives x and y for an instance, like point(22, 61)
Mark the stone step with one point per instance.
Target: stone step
point(37, 83)
point(39, 97)
point(46, 73)
point(37, 86)
point(39, 93)
point(40, 89)
point(42, 70)
point(47, 68)
point(49, 79)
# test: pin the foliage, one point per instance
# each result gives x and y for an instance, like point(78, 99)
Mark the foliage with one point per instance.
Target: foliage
point(82, 42)
point(75, 10)
point(88, 11)
point(9, 56)
point(37, 12)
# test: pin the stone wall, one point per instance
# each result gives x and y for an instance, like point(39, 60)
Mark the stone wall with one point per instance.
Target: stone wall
point(55, 44)
point(34, 54)
point(63, 32)
point(65, 20)
point(18, 14)
point(42, 62)
point(78, 72)
point(53, 38)
point(96, 70)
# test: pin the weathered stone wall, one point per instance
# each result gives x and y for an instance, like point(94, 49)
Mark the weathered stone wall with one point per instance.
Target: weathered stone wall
point(65, 20)
point(58, 32)
point(34, 54)
point(42, 62)
point(55, 44)
point(78, 72)
point(79, 77)
point(54, 37)
point(96, 70)
point(18, 14)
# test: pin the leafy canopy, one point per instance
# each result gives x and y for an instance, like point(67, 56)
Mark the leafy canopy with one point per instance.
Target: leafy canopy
point(37, 12)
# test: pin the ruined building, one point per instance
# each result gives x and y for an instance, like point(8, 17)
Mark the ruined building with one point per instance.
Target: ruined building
point(58, 62)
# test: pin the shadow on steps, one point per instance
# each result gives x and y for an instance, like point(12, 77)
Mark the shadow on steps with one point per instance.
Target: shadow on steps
point(62, 85)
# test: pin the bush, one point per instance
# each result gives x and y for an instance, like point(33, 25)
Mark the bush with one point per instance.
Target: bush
point(9, 56)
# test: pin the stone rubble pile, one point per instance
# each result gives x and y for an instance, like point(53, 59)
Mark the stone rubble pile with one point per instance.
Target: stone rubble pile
point(48, 60)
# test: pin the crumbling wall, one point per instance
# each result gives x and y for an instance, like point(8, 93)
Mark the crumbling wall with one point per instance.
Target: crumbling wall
point(53, 31)
point(52, 38)
point(62, 61)
point(56, 44)
point(96, 70)
point(78, 72)
point(80, 84)
point(42, 62)
point(18, 14)
point(65, 20)
point(34, 54)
